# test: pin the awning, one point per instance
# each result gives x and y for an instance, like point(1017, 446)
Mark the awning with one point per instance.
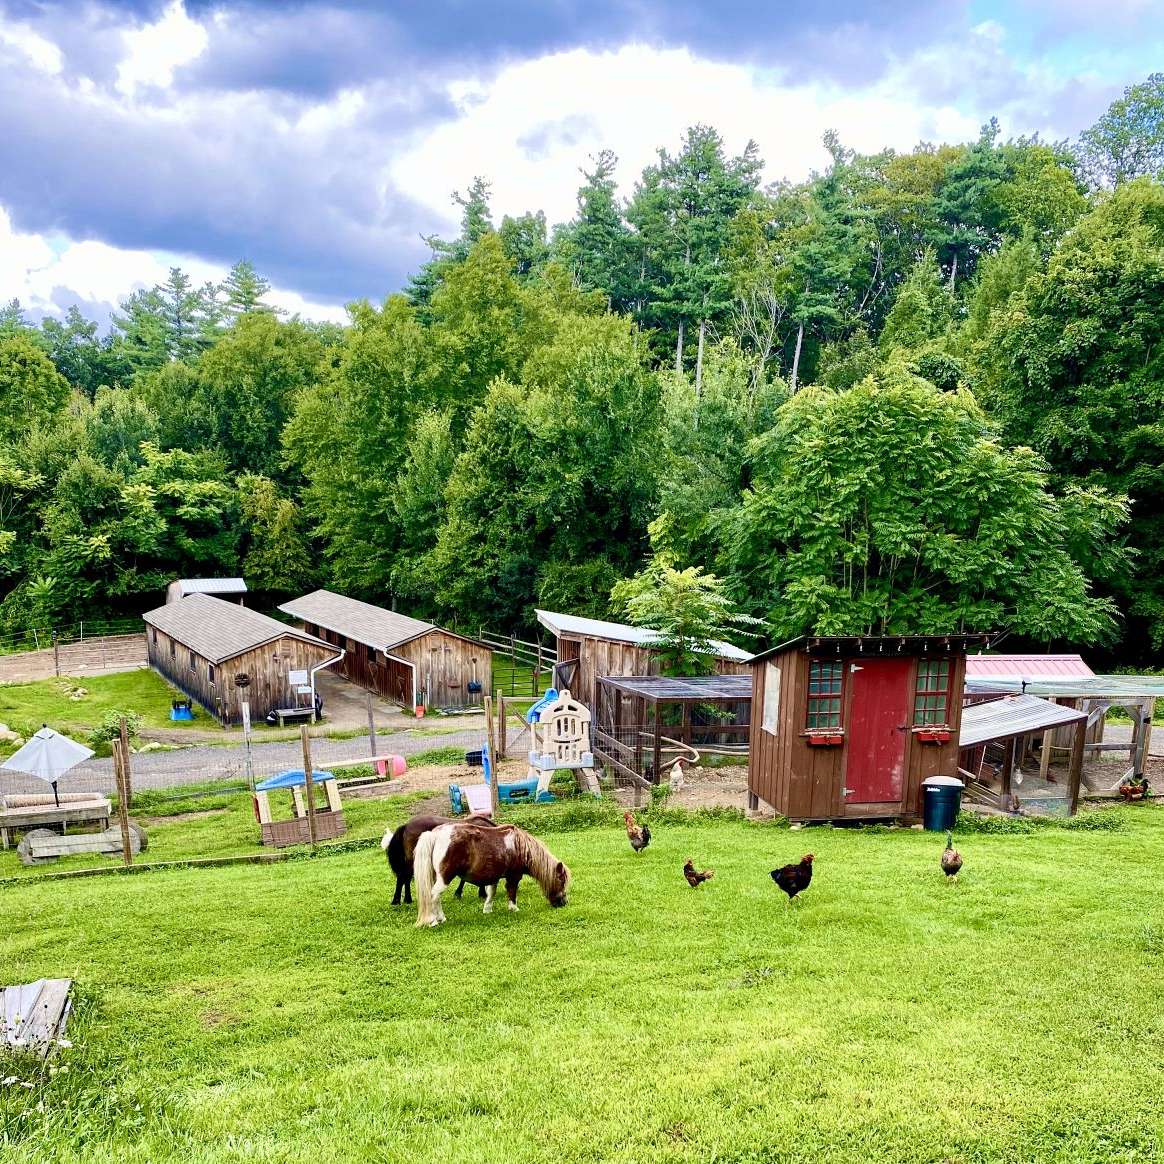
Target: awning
point(1014, 715)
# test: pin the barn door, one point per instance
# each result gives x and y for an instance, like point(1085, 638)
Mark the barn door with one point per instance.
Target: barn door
point(879, 719)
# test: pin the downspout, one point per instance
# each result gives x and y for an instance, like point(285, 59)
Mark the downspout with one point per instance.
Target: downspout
point(319, 667)
point(412, 668)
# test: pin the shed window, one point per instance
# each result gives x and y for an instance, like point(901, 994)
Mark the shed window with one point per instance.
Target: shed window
point(371, 654)
point(154, 635)
point(193, 662)
point(771, 698)
point(173, 650)
point(210, 672)
point(933, 692)
point(824, 694)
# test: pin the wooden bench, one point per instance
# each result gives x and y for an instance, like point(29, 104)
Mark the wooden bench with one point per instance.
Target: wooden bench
point(23, 812)
point(44, 845)
point(294, 713)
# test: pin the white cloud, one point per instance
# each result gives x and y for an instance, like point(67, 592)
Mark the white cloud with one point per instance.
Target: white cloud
point(154, 51)
point(635, 99)
point(42, 54)
point(47, 275)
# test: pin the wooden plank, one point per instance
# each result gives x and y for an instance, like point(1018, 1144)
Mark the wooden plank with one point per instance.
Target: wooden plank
point(33, 1014)
point(1075, 771)
point(126, 762)
point(495, 775)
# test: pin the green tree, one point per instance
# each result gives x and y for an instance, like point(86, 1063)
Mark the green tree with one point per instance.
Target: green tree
point(595, 245)
point(31, 389)
point(275, 554)
point(1127, 142)
point(77, 351)
point(244, 291)
point(892, 508)
point(922, 310)
point(690, 611)
point(476, 223)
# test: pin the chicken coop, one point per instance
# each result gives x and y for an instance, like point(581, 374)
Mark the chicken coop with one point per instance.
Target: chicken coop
point(644, 723)
point(847, 728)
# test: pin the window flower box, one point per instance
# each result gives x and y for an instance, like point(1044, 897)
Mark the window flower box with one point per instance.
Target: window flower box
point(824, 739)
point(932, 735)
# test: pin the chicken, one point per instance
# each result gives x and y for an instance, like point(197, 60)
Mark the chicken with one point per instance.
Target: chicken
point(676, 780)
point(638, 835)
point(951, 858)
point(794, 879)
point(696, 877)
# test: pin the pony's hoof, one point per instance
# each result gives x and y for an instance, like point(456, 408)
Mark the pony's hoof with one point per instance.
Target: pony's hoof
point(512, 908)
point(487, 907)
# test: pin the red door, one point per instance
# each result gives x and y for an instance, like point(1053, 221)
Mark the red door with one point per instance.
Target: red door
point(879, 718)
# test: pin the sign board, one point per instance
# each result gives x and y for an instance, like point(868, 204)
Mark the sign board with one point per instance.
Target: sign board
point(297, 678)
point(303, 690)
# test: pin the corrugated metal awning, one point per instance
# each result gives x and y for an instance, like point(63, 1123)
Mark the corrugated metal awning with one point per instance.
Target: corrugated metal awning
point(1025, 666)
point(1014, 715)
point(1072, 686)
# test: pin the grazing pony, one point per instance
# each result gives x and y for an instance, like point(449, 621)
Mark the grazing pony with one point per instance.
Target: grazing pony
point(400, 845)
point(484, 856)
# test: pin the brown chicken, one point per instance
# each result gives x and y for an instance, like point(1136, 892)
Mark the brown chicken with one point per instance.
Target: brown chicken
point(951, 858)
point(638, 835)
point(794, 879)
point(696, 877)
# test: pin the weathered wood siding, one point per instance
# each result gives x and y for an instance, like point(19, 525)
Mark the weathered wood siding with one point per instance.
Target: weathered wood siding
point(803, 782)
point(266, 666)
point(445, 664)
point(598, 657)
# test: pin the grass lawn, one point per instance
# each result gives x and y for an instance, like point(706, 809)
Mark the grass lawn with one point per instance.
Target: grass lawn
point(288, 1013)
point(25, 706)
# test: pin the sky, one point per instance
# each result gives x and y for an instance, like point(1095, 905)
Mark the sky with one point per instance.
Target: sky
point(322, 141)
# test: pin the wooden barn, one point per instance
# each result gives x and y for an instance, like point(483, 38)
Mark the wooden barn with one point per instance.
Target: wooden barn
point(203, 645)
point(614, 648)
point(848, 728)
point(404, 659)
point(230, 589)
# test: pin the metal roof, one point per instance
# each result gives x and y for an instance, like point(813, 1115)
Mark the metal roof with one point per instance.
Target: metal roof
point(211, 586)
point(871, 645)
point(1028, 666)
point(361, 621)
point(1014, 715)
point(292, 778)
point(621, 632)
point(668, 689)
point(219, 630)
point(1073, 686)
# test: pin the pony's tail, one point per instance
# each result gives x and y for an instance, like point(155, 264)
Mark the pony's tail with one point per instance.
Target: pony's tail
point(386, 843)
point(422, 865)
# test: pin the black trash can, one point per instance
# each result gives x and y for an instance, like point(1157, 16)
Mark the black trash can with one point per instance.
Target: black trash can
point(475, 759)
point(941, 800)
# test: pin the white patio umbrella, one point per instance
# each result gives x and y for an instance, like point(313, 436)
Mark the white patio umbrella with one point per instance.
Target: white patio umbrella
point(48, 755)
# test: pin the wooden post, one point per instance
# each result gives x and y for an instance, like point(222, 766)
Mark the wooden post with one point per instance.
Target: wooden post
point(371, 727)
point(1004, 798)
point(119, 766)
point(1075, 771)
point(502, 742)
point(308, 783)
point(56, 654)
point(1045, 755)
point(127, 772)
point(494, 795)
point(539, 663)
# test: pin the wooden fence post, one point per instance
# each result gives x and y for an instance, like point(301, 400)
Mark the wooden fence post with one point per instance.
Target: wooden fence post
point(502, 742)
point(494, 795)
point(120, 765)
point(56, 654)
point(371, 727)
point(127, 771)
point(308, 783)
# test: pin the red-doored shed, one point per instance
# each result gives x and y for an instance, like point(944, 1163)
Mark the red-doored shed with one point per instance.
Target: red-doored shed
point(848, 728)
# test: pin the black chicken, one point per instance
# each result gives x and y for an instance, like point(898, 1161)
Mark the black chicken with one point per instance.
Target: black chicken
point(794, 879)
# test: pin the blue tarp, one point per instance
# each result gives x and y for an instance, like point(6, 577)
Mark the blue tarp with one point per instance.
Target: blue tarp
point(292, 778)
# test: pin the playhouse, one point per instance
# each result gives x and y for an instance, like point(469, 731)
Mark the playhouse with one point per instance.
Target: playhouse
point(848, 728)
point(329, 822)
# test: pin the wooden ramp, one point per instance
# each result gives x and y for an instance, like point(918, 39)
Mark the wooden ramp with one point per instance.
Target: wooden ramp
point(33, 1016)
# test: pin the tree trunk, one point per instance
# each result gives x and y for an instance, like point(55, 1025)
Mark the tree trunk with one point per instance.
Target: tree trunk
point(699, 364)
point(679, 349)
point(796, 357)
point(953, 273)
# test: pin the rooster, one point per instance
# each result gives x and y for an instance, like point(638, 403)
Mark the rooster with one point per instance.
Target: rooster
point(696, 877)
point(638, 835)
point(951, 858)
point(794, 879)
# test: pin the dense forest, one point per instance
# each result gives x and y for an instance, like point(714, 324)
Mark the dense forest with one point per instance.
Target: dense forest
point(914, 393)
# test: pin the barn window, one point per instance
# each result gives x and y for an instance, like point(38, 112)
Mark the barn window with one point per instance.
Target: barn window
point(371, 654)
point(193, 662)
point(210, 672)
point(173, 650)
point(824, 694)
point(154, 635)
point(932, 698)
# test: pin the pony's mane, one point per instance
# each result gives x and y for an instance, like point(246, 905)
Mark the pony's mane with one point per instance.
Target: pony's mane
point(542, 864)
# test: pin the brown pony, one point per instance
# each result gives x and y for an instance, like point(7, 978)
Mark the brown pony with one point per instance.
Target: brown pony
point(399, 846)
point(482, 855)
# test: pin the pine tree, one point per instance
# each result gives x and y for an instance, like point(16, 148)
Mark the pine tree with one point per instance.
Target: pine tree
point(245, 289)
